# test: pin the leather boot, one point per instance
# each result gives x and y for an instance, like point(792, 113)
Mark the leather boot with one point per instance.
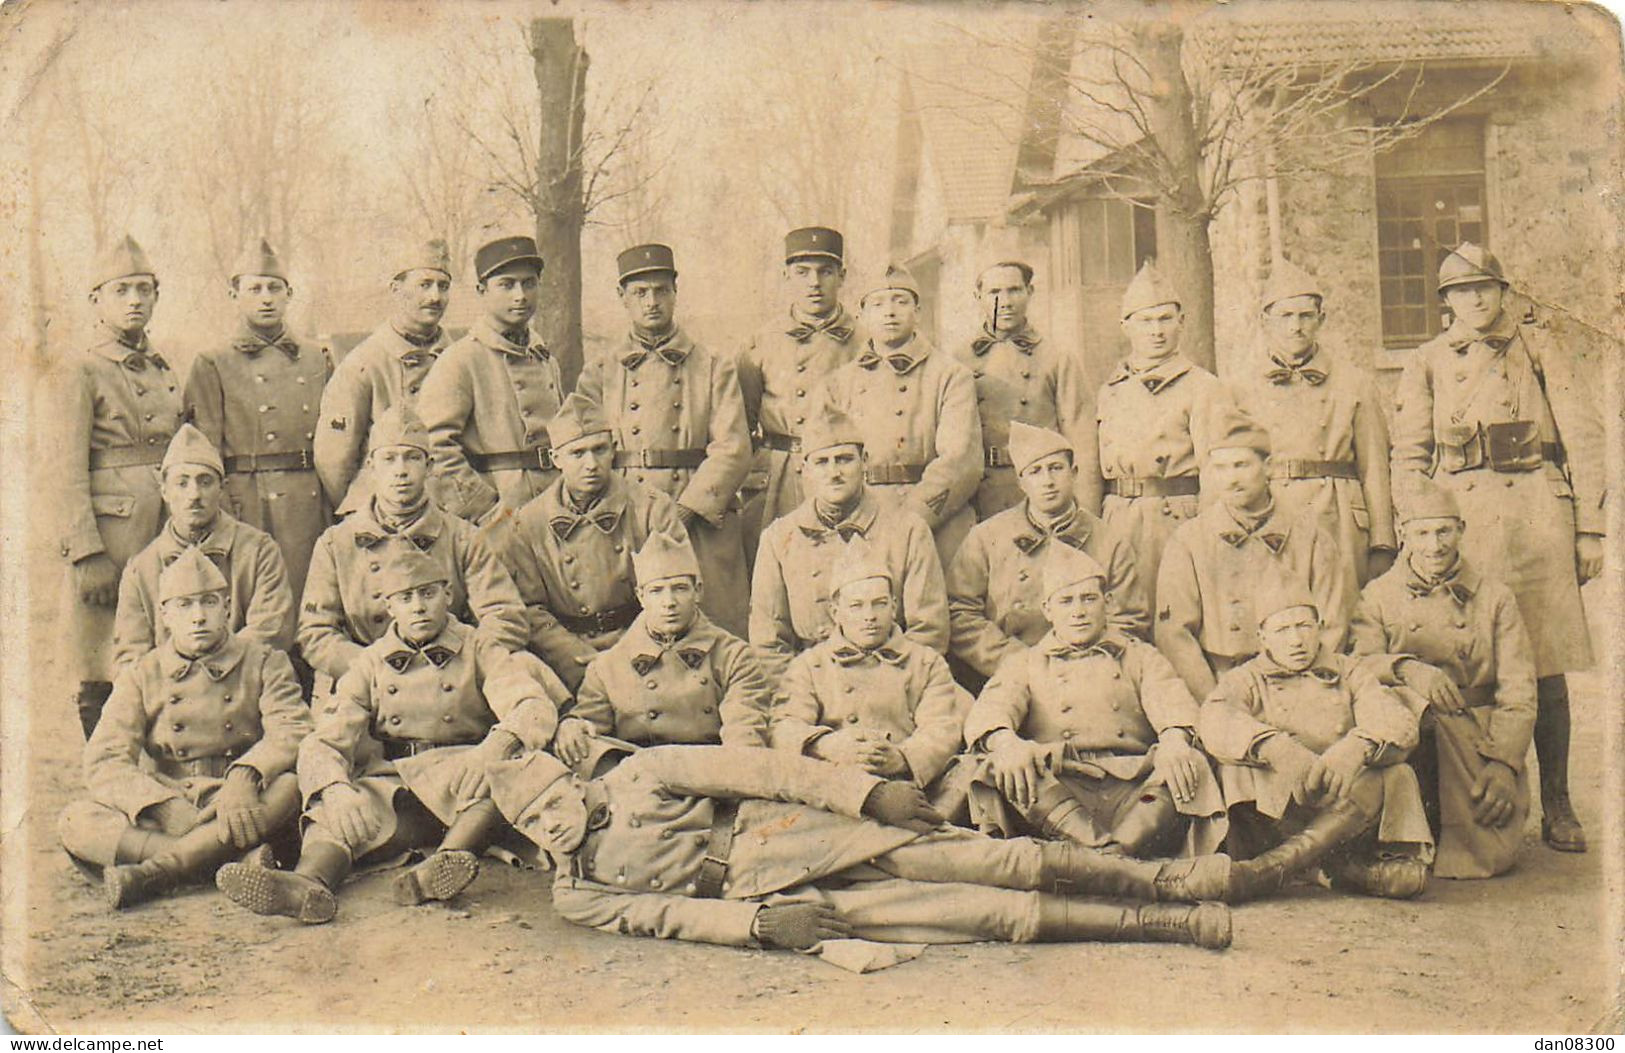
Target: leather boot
point(1061, 919)
point(1073, 869)
point(1386, 878)
point(305, 893)
point(1268, 872)
point(1559, 826)
point(455, 864)
point(1148, 828)
point(193, 855)
point(1057, 816)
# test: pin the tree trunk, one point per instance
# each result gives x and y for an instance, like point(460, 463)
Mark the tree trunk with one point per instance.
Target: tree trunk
point(561, 83)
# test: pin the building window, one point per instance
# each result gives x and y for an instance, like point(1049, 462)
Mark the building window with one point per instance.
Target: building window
point(1430, 198)
point(1103, 241)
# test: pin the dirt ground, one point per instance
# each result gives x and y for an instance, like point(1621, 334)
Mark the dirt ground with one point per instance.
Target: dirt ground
point(1529, 952)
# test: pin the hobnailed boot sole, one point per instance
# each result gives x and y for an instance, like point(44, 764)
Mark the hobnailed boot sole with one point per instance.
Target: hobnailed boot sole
point(121, 887)
point(276, 892)
point(439, 877)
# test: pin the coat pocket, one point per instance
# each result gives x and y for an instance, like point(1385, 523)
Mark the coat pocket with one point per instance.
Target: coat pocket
point(121, 506)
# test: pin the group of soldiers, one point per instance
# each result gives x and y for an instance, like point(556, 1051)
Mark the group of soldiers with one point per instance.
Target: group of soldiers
point(843, 635)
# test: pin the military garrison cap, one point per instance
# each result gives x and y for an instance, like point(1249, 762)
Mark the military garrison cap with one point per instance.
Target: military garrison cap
point(258, 257)
point(516, 783)
point(814, 243)
point(1234, 428)
point(665, 556)
point(122, 259)
point(1422, 498)
point(398, 426)
point(1287, 280)
point(1065, 565)
point(895, 276)
point(191, 446)
point(830, 426)
point(577, 418)
point(645, 259)
point(429, 255)
point(495, 255)
point(407, 567)
point(858, 563)
point(1148, 289)
point(1028, 443)
point(191, 574)
point(1281, 594)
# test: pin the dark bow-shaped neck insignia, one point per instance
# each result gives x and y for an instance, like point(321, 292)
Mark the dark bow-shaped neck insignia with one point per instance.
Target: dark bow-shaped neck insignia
point(252, 343)
point(1274, 540)
point(369, 539)
point(1030, 543)
point(899, 363)
point(837, 326)
point(138, 361)
point(820, 534)
point(850, 654)
point(1284, 372)
point(693, 657)
point(435, 654)
point(1325, 674)
point(1452, 587)
point(1024, 341)
point(565, 524)
point(1070, 652)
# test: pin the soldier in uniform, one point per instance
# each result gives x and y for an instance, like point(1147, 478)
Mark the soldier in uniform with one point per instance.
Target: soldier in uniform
point(1467, 658)
point(489, 398)
point(343, 608)
point(1154, 417)
point(116, 406)
point(257, 399)
point(1211, 568)
point(571, 549)
point(192, 763)
point(679, 423)
point(385, 369)
point(259, 605)
point(791, 583)
point(1495, 413)
point(1309, 745)
point(995, 596)
point(1327, 431)
point(1021, 377)
point(1090, 735)
point(398, 757)
point(675, 677)
point(800, 850)
point(916, 411)
point(784, 363)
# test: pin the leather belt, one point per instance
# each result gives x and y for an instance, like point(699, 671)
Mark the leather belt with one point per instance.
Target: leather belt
point(125, 456)
point(601, 622)
point(893, 474)
point(774, 440)
point(714, 867)
point(395, 749)
point(997, 457)
point(1136, 486)
point(1290, 468)
point(657, 458)
point(288, 461)
point(530, 457)
point(196, 768)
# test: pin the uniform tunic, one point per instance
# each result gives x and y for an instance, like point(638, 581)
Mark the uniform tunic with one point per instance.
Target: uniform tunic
point(1324, 416)
point(578, 566)
point(254, 399)
point(996, 591)
point(1468, 627)
point(1023, 377)
point(488, 395)
point(1520, 524)
point(425, 706)
point(382, 370)
point(702, 687)
point(682, 398)
point(343, 608)
point(113, 411)
point(789, 592)
point(260, 602)
point(916, 411)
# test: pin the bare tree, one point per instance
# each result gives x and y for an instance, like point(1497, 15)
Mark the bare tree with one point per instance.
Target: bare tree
point(440, 179)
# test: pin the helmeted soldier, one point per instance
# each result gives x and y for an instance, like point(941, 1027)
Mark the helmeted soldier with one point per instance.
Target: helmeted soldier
point(792, 581)
point(571, 548)
point(192, 763)
point(1496, 414)
point(259, 602)
point(258, 398)
point(385, 369)
point(488, 399)
point(398, 757)
point(679, 422)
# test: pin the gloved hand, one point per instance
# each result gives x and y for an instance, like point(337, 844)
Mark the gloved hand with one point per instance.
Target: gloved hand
point(96, 578)
point(175, 816)
point(1292, 759)
point(473, 782)
point(798, 926)
point(1179, 763)
point(1432, 684)
point(1335, 770)
point(573, 740)
point(1017, 765)
point(901, 804)
point(1494, 794)
point(350, 812)
point(239, 808)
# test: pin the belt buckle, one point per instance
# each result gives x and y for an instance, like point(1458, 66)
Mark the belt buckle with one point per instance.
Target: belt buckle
point(306, 460)
point(544, 457)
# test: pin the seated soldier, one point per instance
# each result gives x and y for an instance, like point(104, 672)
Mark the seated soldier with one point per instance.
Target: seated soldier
point(790, 589)
point(802, 851)
point(192, 762)
point(260, 600)
point(571, 547)
point(1089, 735)
point(343, 608)
point(1309, 745)
point(674, 677)
point(995, 606)
point(398, 758)
point(870, 697)
point(1462, 647)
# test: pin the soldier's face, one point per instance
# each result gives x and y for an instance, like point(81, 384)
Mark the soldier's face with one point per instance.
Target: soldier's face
point(891, 314)
point(192, 494)
point(1238, 476)
point(262, 299)
point(834, 474)
point(1077, 612)
point(510, 295)
point(557, 820)
point(196, 623)
point(586, 463)
point(815, 285)
point(1291, 637)
point(1434, 544)
point(863, 611)
point(670, 604)
point(1476, 303)
point(421, 612)
point(126, 304)
point(399, 473)
point(1292, 325)
point(650, 301)
point(1004, 295)
point(1049, 483)
point(1154, 331)
point(421, 296)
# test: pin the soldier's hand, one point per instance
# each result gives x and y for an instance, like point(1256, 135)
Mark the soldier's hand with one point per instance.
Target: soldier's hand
point(240, 811)
point(1587, 557)
point(1432, 684)
point(1294, 761)
point(886, 760)
point(1180, 764)
point(1378, 561)
point(798, 926)
point(1494, 795)
point(901, 804)
point(573, 741)
point(96, 578)
point(175, 816)
point(1017, 766)
point(1335, 770)
point(350, 810)
point(851, 747)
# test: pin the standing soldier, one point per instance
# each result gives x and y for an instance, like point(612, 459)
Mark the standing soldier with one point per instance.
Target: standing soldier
point(1021, 377)
point(257, 399)
point(1327, 431)
point(1495, 413)
point(489, 398)
point(386, 368)
point(679, 425)
point(1154, 415)
point(916, 411)
point(118, 405)
point(782, 366)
